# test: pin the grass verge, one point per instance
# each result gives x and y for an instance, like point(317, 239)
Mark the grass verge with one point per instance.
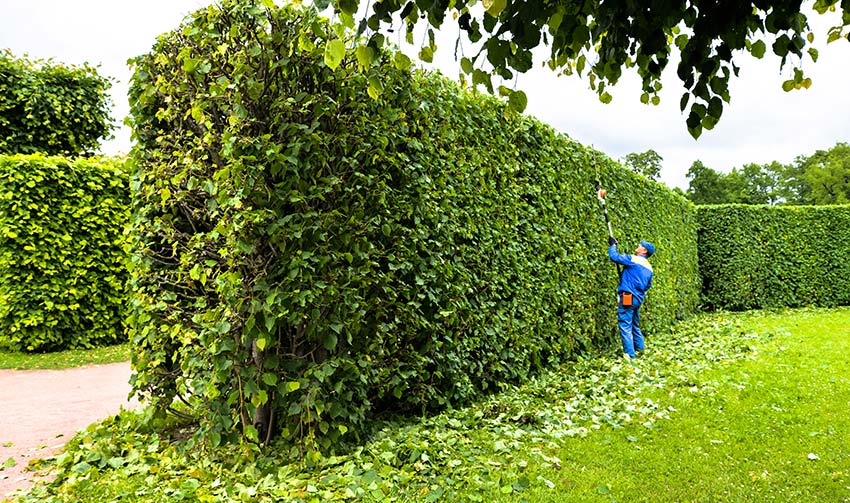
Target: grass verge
point(64, 359)
point(747, 407)
point(770, 427)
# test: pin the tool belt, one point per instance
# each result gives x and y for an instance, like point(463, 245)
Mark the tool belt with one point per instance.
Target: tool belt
point(625, 299)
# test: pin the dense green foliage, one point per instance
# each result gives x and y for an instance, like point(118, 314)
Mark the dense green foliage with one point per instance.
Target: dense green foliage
point(821, 178)
point(749, 184)
point(774, 256)
point(603, 38)
point(315, 244)
point(596, 429)
point(647, 163)
point(816, 179)
point(51, 108)
point(62, 263)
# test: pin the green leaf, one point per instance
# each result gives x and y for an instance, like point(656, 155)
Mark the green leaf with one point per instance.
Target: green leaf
point(365, 56)
point(293, 386)
point(329, 341)
point(81, 467)
point(251, 433)
point(347, 19)
point(580, 64)
point(483, 78)
point(269, 379)
point(427, 54)
point(376, 87)
point(758, 49)
point(334, 53)
point(116, 462)
point(198, 113)
point(581, 36)
point(435, 494)
point(715, 107)
point(694, 122)
point(683, 103)
point(466, 65)
point(518, 101)
point(780, 45)
point(189, 64)
point(401, 61)
point(522, 484)
point(813, 53)
point(348, 6)
point(260, 398)
point(494, 7)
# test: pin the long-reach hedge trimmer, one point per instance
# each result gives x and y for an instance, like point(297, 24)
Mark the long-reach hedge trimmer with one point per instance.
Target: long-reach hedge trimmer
point(600, 194)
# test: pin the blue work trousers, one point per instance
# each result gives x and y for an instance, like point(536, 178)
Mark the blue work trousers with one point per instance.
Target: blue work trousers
point(628, 318)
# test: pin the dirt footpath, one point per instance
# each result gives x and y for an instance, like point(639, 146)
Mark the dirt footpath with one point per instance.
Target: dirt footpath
point(40, 410)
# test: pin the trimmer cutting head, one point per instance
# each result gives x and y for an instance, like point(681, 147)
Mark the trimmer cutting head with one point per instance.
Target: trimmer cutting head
point(600, 192)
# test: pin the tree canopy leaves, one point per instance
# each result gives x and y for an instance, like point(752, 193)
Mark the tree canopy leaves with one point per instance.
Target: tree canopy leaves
point(825, 176)
point(647, 164)
point(818, 179)
point(601, 39)
point(51, 108)
point(749, 184)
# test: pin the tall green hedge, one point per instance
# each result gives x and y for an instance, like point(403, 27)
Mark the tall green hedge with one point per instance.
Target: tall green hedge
point(754, 257)
point(320, 239)
point(51, 108)
point(63, 269)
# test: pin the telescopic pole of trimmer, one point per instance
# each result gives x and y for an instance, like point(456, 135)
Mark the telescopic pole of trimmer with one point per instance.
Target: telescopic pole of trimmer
point(600, 194)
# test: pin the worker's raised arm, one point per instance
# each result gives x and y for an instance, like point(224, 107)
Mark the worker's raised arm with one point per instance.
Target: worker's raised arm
point(618, 257)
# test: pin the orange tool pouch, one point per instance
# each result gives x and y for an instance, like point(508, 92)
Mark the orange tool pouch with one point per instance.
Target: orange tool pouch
point(625, 299)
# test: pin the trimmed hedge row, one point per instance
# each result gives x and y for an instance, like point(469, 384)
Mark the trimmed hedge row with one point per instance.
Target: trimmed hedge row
point(307, 256)
point(62, 264)
point(754, 257)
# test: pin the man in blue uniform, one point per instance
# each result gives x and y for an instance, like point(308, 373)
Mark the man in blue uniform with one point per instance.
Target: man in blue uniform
point(635, 280)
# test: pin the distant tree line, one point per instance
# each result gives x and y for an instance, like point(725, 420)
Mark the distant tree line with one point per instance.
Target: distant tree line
point(821, 178)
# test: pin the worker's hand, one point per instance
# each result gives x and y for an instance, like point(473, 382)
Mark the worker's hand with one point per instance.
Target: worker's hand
point(601, 194)
point(612, 241)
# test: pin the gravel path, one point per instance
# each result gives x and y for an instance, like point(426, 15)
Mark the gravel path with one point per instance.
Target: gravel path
point(40, 410)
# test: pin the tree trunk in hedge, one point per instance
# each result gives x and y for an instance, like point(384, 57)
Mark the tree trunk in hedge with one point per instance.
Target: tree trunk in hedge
point(263, 416)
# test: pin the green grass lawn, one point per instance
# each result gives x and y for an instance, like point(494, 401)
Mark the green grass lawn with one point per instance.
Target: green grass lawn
point(64, 359)
point(775, 427)
point(726, 408)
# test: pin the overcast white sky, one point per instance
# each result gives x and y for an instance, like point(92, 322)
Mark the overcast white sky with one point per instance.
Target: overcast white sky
point(762, 124)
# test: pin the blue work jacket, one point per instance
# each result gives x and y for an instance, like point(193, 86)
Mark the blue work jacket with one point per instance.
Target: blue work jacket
point(637, 274)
